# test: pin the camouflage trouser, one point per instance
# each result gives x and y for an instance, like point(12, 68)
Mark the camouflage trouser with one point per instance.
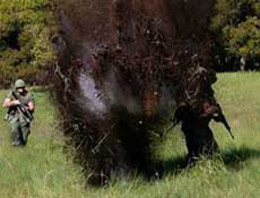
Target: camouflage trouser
point(19, 132)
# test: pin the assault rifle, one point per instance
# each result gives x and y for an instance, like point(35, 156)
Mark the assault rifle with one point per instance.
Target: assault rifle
point(217, 116)
point(221, 118)
point(27, 114)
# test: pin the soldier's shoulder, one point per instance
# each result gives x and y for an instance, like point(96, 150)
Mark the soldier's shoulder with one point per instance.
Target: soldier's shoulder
point(29, 93)
point(9, 95)
point(31, 96)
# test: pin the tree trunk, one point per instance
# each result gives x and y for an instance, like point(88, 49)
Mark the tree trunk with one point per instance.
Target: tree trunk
point(242, 63)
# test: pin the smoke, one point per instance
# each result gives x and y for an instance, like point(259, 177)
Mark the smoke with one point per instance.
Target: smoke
point(91, 96)
point(121, 65)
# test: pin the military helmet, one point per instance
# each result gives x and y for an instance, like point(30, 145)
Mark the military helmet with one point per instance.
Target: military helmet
point(19, 84)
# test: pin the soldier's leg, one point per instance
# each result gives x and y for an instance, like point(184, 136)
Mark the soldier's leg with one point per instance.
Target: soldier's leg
point(15, 132)
point(25, 129)
point(209, 143)
point(199, 140)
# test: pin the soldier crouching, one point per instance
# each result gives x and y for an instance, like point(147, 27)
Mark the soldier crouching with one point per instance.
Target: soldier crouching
point(21, 105)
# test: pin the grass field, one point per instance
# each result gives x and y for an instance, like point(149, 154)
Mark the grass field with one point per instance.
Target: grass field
point(43, 170)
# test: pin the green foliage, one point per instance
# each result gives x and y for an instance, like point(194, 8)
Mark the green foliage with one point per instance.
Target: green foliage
point(236, 27)
point(25, 48)
point(244, 40)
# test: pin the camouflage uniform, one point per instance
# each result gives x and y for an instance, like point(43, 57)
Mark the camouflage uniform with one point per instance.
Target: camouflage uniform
point(20, 129)
point(195, 99)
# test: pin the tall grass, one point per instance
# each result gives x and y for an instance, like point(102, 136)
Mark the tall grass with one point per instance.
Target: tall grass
point(42, 169)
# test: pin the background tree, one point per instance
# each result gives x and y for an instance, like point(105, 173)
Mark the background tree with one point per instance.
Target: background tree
point(25, 48)
point(236, 34)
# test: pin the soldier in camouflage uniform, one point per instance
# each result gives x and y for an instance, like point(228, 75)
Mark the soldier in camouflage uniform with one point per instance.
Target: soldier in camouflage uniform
point(196, 108)
point(21, 107)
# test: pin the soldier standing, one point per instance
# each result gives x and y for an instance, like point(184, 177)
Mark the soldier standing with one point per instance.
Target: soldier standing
point(195, 111)
point(20, 104)
point(197, 106)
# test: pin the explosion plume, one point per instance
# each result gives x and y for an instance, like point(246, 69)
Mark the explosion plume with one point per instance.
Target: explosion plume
point(123, 67)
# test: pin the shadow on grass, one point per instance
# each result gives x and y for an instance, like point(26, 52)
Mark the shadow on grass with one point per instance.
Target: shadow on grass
point(236, 157)
point(158, 169)
point(233, 159)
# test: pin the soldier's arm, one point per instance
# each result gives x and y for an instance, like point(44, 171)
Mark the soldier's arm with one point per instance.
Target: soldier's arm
point(208, 110)
point(9, 103)
point(31, 103)
point(31, 106)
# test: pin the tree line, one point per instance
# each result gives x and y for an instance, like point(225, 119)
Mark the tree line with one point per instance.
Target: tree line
point(236, 35)
point(26, 50)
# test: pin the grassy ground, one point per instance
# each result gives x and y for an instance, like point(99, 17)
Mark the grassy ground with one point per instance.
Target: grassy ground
point(43, 170)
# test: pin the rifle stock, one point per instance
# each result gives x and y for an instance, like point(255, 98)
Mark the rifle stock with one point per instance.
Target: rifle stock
point(224, 121)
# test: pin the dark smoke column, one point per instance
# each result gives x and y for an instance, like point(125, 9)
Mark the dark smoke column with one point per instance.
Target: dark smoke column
point(123, 67)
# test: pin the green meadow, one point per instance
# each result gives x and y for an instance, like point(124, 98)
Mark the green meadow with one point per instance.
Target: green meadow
point(43, 170)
